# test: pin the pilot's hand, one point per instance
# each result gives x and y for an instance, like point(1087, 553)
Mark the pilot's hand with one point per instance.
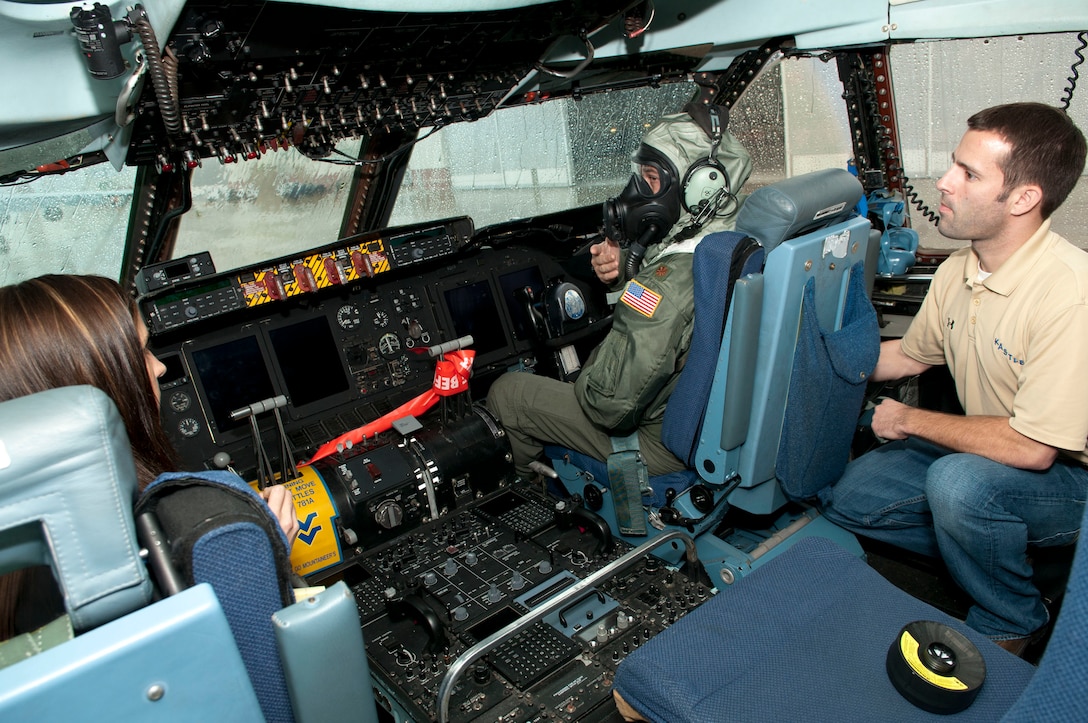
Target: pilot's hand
point(626, 711)
point(283, 507)
point(888, 417)
point(605, 258)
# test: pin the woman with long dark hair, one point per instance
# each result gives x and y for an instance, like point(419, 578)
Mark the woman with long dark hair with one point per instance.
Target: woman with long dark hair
point(63, 330)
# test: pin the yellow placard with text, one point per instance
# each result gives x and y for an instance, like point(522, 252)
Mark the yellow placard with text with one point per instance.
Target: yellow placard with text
point(317, 546)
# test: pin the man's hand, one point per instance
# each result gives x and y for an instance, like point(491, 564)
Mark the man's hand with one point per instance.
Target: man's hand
point(606, 260)
point(987, 436)
point(888, 419)
point(283, 507)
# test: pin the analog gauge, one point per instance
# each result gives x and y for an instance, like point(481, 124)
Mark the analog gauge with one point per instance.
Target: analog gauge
point(389, 344)
point(189, 427)
point(348, 316)
point(180, 401)
point(381, 319)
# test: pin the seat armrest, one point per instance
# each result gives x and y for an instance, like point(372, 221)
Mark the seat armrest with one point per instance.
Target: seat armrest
point(171, 662)
point(324, 659)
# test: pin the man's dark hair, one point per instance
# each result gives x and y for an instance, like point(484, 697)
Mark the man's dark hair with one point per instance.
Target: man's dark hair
point(1046, 148)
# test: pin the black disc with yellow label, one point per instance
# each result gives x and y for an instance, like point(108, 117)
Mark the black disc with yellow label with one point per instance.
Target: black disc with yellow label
point(935, 667)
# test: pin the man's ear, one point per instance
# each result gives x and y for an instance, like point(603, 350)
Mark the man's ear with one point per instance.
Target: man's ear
point(1024, 199)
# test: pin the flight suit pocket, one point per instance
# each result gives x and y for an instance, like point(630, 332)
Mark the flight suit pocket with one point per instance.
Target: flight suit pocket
point(602, 375)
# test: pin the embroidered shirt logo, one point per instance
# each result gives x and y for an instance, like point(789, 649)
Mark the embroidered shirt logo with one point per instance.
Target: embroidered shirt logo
point(641, 299)
point(950, 322)
point(1008, 354)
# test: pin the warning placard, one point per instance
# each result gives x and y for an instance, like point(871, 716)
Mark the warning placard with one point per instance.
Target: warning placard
point(317, 545)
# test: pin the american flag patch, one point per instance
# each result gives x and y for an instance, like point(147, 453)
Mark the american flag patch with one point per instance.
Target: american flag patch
point(641, 299)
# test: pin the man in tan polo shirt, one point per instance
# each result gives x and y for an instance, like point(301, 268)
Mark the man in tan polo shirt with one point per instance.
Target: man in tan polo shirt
point(1009, 316)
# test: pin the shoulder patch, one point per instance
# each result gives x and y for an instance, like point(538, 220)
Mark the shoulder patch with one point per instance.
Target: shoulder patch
point(662, 271)
point(641, 299)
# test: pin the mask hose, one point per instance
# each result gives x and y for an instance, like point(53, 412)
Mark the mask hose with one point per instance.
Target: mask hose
point(638, 249)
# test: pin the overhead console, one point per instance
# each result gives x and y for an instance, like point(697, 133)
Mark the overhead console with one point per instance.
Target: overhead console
point(249, 77)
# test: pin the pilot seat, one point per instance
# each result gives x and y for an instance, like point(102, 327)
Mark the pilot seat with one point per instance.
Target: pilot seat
point(158, 630)
point(784, 340)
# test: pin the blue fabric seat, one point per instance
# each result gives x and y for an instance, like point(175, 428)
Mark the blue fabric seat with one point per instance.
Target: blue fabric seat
point(222, 534)
point(69, 505)
point(718, 262)
point(784, 330)
point(805, 637)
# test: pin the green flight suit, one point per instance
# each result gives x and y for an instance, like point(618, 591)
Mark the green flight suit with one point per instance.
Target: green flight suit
point(626, 382)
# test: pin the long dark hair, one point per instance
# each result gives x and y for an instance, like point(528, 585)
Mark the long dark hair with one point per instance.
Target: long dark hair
point(62, 330)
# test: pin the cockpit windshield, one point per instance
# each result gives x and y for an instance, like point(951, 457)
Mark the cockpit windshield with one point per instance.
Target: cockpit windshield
point(518, 162)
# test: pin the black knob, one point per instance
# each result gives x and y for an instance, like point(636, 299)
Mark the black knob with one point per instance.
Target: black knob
point(481, 673)
point(702, 498)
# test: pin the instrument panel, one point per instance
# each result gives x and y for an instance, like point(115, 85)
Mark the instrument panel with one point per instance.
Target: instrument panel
point(442, 546)
point(435, 594)
point(344, 348)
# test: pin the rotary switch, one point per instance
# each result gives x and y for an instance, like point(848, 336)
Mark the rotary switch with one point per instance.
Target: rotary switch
point(389, 514)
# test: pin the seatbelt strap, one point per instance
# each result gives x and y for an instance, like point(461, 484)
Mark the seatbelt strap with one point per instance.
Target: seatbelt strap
point(629, 480)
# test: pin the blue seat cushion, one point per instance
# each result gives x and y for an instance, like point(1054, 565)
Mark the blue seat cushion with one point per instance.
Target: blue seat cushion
point(804, 637)
point(720, 259)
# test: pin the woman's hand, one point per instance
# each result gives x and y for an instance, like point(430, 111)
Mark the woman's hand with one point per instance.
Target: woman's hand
point(626, 711)
point(283, 507)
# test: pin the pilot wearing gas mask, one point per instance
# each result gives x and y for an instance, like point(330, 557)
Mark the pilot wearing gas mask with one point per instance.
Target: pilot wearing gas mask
point(687, 172)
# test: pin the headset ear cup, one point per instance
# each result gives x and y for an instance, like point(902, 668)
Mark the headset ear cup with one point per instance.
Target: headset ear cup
point(702, 181)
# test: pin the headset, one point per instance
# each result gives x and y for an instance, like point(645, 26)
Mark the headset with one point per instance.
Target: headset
point(637, 221)
point(706, 186)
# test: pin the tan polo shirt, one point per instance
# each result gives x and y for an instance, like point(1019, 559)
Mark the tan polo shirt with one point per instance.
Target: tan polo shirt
point(1016, 343)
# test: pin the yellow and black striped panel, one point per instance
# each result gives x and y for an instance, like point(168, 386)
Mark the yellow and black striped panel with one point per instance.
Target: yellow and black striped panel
point(314, 272)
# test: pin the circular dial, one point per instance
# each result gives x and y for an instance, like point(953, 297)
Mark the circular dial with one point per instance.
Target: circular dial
point(189, 427)
point(348, 316)
point(381, 319)
point(180, 401)
point(389, 344)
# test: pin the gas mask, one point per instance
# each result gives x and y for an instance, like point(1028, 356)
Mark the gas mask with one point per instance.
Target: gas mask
point(638, 218)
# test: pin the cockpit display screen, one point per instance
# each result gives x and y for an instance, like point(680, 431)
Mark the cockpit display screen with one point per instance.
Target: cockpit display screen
point(473, 311)
point(307, 357)
point(233, 375)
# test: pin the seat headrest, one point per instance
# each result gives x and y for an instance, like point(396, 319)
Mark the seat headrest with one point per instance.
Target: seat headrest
point(67, 481)
point(791, 207)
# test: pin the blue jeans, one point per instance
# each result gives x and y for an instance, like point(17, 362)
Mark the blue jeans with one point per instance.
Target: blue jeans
point(976, 514)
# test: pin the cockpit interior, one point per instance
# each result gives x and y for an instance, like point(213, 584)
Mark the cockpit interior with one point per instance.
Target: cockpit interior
point(342, 221)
